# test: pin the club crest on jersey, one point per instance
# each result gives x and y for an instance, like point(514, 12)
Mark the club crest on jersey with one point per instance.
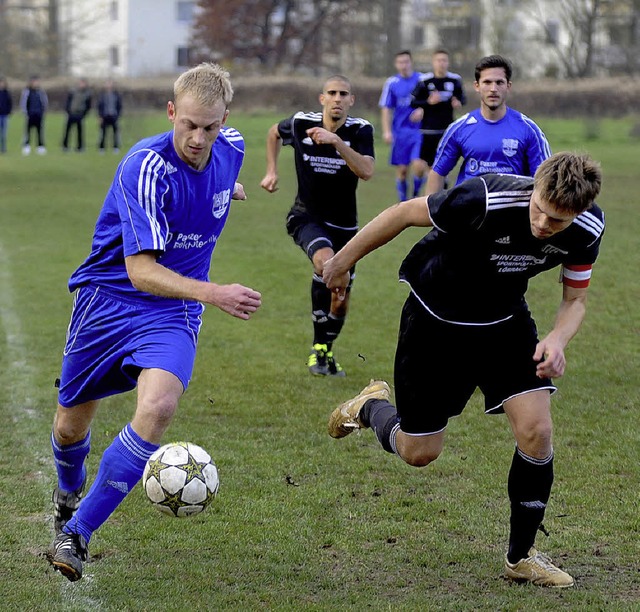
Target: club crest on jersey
point(509, 146)
point(221, 203)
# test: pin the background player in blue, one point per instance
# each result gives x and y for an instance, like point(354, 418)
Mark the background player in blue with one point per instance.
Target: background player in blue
point(468, 278)
point(332, 151)
point(398, 129)
point(493, 138)
point(139, 299)
point(434, 98)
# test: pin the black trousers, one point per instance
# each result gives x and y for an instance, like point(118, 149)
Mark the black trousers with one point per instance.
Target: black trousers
point(34, 122)
point(74, 120)
point(109, 122)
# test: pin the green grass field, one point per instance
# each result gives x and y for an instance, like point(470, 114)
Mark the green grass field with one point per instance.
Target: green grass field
point(302, 521)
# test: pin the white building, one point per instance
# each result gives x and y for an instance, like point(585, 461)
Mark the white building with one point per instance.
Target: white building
point(125, 38)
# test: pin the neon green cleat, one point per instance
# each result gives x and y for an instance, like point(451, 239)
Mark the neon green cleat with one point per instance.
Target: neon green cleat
point(335, 369)
point(317, 362)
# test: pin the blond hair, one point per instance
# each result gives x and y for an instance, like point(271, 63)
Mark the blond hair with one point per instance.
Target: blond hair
point(569, 181)
point(207, 83)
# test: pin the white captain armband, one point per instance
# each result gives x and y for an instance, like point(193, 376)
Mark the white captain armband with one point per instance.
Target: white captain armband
point(576, 276)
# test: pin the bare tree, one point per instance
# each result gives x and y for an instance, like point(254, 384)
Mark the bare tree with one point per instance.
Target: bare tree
point(578, 20)
point(280, 34)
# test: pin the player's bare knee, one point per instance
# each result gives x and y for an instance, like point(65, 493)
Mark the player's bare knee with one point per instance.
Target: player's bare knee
point(419, 457)
point(535, 439)
point(68, 432)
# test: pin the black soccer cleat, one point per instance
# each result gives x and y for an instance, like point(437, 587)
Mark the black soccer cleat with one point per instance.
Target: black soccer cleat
point(65, 504)
point(66, 554)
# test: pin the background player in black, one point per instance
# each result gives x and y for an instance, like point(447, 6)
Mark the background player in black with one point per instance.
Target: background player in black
point(435, 97)
point(332, 151)
point(468, 278)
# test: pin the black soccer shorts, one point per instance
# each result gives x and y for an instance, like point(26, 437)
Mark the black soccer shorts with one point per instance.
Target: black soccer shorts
point(311, 234)
point(429, 147)
point(438, 366)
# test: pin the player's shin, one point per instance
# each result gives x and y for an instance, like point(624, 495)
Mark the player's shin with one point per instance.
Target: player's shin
point(120, 469)
point(530, 481)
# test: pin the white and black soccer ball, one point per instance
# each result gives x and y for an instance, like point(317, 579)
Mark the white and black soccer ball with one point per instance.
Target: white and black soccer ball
point(180, 479)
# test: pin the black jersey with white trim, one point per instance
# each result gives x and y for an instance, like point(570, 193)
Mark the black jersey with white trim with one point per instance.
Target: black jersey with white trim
point(473, 268)
point(326, 185)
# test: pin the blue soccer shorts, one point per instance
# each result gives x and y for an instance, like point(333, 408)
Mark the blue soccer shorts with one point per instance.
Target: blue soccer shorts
point(112, 338)
point(405, 148)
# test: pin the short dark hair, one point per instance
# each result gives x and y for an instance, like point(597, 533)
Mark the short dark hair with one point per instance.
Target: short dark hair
point(569, 181)
point(403, 52)
point(440, 50)
point(494, 61)
point(338, 77)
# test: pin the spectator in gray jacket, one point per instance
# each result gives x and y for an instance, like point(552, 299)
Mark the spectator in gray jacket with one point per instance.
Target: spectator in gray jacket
point(34, 103)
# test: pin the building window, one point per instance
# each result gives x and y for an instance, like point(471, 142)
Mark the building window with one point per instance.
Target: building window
point(552, 29)
point(184, 57)
point(418, 36)
point(184, 11)
point(114, 56)
point(113, 10)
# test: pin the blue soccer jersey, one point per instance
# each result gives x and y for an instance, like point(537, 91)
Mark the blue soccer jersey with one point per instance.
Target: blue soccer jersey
point(159, 203)
point(512, 145)
point(396, 95)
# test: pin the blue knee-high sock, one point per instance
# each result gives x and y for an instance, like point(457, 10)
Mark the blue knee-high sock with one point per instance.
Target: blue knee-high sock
point(69, 460)
point(120, 469)
point(401, 186)
point(418, 182)
point(382, 417)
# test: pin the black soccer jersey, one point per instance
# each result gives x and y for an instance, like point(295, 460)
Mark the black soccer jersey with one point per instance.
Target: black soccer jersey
point(437, 117)
point(474, 267)
point(326, 185)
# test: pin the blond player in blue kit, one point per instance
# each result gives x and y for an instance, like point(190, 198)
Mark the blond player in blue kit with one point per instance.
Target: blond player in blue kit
point(139, 297)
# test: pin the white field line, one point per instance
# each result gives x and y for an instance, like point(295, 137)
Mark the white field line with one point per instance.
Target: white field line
point(20, 380)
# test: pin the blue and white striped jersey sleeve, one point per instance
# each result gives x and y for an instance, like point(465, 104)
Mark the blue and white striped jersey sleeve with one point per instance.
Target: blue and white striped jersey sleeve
point(143, 189)
point(538, 148)
point(387, 97)
point(449, 150)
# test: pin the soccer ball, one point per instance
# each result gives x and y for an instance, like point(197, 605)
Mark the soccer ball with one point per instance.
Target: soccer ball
point(180, 479)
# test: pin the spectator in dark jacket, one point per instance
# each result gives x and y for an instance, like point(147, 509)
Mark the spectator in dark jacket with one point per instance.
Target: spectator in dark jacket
point(34, 103)
point(77, 106)
point(109, 109)
point(6, 105)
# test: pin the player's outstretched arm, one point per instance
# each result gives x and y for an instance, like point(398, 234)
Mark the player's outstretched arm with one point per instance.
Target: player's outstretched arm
point(274, 144)
point(380, 230)
point(147, 275)
point(568, 320)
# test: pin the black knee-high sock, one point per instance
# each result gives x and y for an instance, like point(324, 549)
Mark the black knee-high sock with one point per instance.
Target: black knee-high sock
point(320, 307)
point(382, 417)
point(333, 328)
point(530, 481)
